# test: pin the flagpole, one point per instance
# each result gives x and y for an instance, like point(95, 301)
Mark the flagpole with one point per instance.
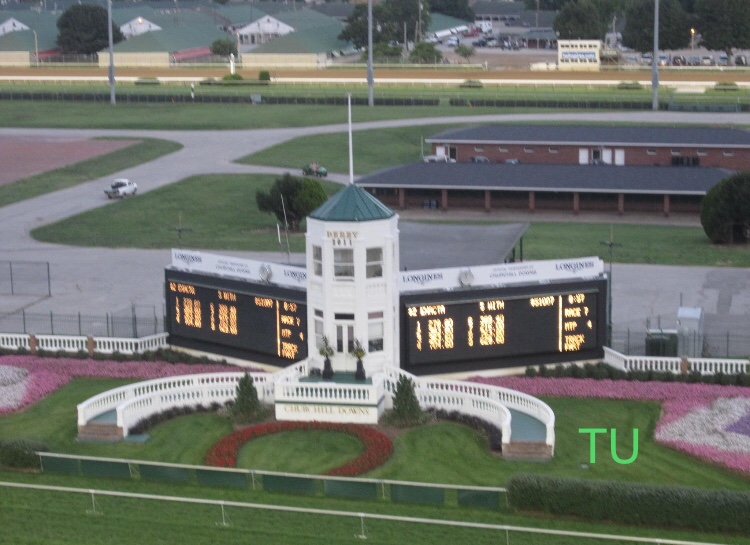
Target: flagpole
point(351, 149)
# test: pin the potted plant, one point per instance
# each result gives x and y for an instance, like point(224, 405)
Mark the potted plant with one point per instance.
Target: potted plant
point(326, 351)
point(359, 352)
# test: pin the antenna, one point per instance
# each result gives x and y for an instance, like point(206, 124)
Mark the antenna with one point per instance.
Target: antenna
point(351, 151)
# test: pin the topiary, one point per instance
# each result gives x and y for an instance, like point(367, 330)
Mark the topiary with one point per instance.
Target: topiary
point(406, 409)
point(264, 75)
point(247, 406)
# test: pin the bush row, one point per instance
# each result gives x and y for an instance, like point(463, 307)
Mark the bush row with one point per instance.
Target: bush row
point(552, 103)
point(632, 503)
point(357, 101)
point(602, 371)
point(145, 424)
point(21, 453)
point(492, 433)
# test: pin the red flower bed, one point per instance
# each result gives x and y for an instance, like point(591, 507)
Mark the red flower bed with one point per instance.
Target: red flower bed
point(378, 447)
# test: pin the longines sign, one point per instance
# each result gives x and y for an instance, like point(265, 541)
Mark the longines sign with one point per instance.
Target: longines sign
point(504, 274)
point(248, 269)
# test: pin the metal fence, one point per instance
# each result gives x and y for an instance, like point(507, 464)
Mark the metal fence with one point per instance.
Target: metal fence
point(25, 278)
point(136, 322)
point(727, 344)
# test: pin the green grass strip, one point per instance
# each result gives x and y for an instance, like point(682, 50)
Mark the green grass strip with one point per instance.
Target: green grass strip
point(142, 151)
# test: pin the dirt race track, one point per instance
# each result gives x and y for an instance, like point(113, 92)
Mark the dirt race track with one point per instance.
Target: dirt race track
point(507, 67)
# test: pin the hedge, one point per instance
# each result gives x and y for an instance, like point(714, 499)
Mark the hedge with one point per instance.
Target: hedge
point(21, 453)
point(632, 503)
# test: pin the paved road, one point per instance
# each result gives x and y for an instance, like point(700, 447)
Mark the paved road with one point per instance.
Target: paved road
point(94, 280)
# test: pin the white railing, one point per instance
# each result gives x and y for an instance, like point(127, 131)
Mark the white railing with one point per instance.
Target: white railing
point(14, 341)
point(328, 392)
point(705, 366)
point(136, 401)
point(77, 343)
point(485, 401)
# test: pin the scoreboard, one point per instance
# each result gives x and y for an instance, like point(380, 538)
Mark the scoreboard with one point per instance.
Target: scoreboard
point(502, 327)
point(209, 312)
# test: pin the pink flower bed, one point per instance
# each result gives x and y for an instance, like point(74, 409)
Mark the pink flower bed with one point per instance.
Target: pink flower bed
point(677, 399)
point(48, 374)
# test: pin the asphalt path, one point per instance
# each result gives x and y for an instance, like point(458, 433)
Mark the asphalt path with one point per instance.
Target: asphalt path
point(99, 280)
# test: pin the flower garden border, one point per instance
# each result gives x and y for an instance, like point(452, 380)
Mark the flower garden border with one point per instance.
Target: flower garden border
point(378, 446)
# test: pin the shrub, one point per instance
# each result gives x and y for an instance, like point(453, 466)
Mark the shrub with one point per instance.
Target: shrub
point(247, 407)
point(147, 81)
point(232, 77)
point(726, 86)
point(531, 372)
point(632, 503)
point(471, 84)
point(264, 75)
point(406, 409)
point(21, 453)
point(629, 86)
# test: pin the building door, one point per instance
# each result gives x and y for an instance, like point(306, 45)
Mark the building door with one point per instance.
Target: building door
point(344, 337)
point(607, 156)
point(620, 157)
point(440, 150)
point(452, 153)
point(583, 156)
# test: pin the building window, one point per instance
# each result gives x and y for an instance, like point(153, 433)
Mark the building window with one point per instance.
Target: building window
point(702, 153)
point(554, 150)
point(651, 151)
point(375, 331)
point(728, 153)
point(477, 148)
point(343, 263)
point(502, 150)
point(317, 260)
point(528, 150)
point(374, 262)
point(319, 332)
point(676, 153)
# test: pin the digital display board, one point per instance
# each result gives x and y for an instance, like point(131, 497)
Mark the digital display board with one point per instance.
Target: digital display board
point(560, 321)
point(261, 319)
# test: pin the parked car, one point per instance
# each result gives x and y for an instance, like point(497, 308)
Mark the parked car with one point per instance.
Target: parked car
point(452, 41)
point(663, 60)
point(723, 60)
point(121, 188)
point(646, 58)
point(437, 159)
point(679, 60)
point(480, 159)
point(492, 42)
point(740, 60)
point(512, 161)
point(314, 169)
point(707, 60)
point(695, 60)
point(481, 42)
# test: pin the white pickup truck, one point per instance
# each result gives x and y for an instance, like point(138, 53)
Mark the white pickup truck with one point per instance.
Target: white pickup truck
point(121, 188)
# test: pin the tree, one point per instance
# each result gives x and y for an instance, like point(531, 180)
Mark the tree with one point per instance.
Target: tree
point(464, 51)
point(299, 196)
point(406, 409)
point(459, 9)
point(82, 28)
point(224, 47)
point(425, 53)
point(406, 13)
point(546, 5)
point(383, 52)
point(246, 405)
point(724, 24)
point(674, 28)
point(355, 30)
point(580, 20)
point(725, 210)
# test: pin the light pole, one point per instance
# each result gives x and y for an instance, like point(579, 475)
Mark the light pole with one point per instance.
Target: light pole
point(370, 75)
point(111, 55)
point(655, 61)
point(610, 244)
point(36, 48)
point(692, 38)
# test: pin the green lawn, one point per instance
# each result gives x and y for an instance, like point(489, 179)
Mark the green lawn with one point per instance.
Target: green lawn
point(233, 222)
point(373, 149)
point(143, 150)
point(443, 452)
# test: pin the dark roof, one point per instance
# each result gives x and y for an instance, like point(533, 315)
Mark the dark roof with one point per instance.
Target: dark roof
point(597, 134)
point(352, 204)
point(460, 245)
point(560, 178)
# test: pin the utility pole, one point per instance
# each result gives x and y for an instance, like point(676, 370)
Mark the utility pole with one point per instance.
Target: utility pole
point(370, 75)
point(655, 61)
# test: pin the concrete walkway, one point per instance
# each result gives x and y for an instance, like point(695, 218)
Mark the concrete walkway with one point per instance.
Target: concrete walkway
point(98, 280)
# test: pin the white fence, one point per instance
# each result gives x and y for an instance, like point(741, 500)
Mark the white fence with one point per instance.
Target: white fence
point(79, 343)
point(134, 402)
point(488, 402)
point(705, 366)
